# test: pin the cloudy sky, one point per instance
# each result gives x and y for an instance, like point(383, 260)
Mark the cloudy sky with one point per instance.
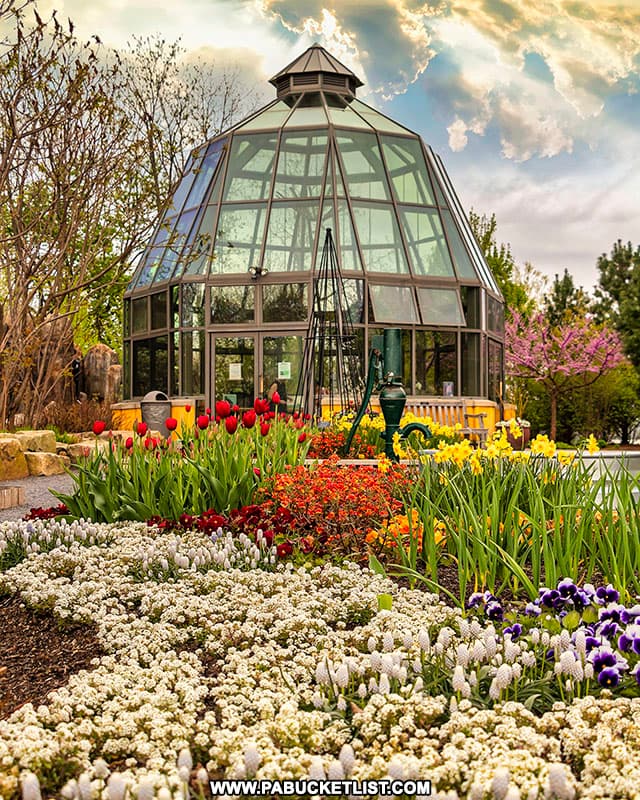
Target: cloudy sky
point(534, 105)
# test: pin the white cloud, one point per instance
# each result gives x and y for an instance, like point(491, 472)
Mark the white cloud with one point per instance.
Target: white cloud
point(554, 222)
point(458, 138)
point(384, 41)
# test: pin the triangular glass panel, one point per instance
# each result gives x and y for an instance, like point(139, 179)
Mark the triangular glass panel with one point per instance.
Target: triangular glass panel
point(328, 184)
point(378, 120)
point(273, 116)
point(348, 250)
point(464, 265)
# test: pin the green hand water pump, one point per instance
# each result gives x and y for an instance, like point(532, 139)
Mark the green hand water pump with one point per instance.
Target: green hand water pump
point(385, 370)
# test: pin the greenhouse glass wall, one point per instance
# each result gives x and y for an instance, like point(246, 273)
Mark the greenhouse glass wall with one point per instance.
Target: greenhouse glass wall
point(220, 302)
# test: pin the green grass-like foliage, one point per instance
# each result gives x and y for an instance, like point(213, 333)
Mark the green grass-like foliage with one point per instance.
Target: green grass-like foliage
point(205, 469)
point(518, 525)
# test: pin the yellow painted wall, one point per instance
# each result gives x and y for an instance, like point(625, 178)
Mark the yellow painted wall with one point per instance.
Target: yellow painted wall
point(127, 414)
point(186, 418)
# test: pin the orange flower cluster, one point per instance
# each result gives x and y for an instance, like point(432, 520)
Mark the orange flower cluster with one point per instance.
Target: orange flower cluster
point(341, 503)
point(401, 530)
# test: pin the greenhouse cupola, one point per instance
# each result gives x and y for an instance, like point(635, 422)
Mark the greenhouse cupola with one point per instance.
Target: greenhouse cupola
point(221, 301)
point(315, 70)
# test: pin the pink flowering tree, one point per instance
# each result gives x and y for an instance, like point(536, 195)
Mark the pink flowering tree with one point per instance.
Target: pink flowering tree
point(553, 355)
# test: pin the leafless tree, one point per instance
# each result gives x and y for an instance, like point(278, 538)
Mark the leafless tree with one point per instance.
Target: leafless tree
point(91, 144)
point(70, 200)
point(178, 103)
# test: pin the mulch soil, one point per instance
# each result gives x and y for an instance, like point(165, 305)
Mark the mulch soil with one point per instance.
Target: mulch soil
point(37, 654)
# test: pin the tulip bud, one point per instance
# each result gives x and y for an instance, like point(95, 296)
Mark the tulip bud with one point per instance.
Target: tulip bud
point(98, 427)
point(141, 428)
point(202, 422)
point(231, 423)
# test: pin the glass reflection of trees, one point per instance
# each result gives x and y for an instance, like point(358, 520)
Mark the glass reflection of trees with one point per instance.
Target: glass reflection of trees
point(232, 304)
point(435, 361)
point(285, 302)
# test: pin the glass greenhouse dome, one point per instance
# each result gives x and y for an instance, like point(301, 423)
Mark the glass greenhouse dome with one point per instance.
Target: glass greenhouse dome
point(221, 299)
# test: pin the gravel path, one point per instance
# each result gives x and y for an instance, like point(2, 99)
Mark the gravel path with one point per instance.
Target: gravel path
point(37, 494)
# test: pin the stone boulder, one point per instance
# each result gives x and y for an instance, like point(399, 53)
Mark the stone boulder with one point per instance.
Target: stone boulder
point(44, 463)
point(96, 364)
point(36, 441)
point(77, 452)
point(114, 384)
point(13, 464)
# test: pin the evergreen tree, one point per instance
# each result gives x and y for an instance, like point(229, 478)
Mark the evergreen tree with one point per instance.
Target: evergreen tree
point(618, 295)
point(565, 301)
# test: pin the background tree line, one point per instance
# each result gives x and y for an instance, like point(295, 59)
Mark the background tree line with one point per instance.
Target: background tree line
point(573, 360)
point(91, 143)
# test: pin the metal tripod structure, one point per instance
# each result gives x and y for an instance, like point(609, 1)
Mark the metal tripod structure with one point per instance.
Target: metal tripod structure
point(330, 361)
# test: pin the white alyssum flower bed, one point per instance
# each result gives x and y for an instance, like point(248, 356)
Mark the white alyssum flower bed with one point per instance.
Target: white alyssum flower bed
point(216, 658)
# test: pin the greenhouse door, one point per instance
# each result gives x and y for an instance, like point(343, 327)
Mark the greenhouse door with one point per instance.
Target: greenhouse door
point(244, 367)
point(281, 362)
point(234, 374)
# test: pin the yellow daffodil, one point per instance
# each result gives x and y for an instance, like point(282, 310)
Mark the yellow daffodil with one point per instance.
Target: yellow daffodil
point(542, 445)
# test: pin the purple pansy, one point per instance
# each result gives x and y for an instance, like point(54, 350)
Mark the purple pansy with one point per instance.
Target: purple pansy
point(607, 594)
point(609, 676)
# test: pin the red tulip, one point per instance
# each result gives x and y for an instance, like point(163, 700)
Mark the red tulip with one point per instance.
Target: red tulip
point(207, 411)
point(129, 443)
point(202, 422)
point(231, 423)
point(260, 405)
point(249, 418)
point(264, 428)
point(235, 408)
point(275, 398)
point(257, 471)
point(150, 443)
point(98, 427)
point(302, 437)
point(223, 408)
point(171, 423)
point(141, 428)
point(187, 408)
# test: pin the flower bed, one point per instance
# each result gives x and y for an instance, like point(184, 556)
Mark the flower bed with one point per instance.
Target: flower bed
point(218, 658)
point(240, 639)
